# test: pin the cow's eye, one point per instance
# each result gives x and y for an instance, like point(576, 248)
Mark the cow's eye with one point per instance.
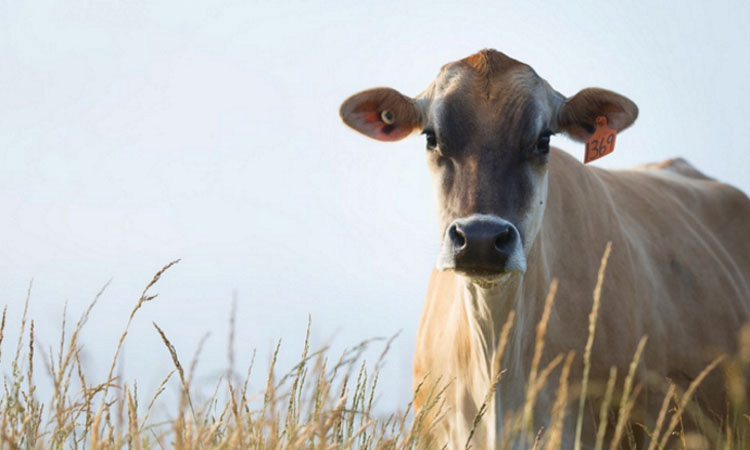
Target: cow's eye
point(542, 145)
point(431, 139)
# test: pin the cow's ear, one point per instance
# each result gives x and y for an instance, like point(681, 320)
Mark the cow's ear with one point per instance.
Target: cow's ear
point(381, 113)
point(577, 114)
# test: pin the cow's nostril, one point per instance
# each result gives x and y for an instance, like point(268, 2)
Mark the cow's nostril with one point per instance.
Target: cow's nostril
point(503, 238)
point(457, 237)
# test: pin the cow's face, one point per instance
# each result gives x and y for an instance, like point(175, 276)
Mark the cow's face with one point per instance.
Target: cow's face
point(487, 122)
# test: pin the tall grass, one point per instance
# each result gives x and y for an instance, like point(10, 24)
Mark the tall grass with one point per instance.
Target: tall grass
point(326, 401)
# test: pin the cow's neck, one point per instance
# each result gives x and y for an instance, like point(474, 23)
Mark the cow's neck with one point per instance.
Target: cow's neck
point(487, 310)
point(488, 307)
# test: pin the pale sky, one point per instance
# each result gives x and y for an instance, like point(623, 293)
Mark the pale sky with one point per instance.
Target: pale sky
point(136, 132)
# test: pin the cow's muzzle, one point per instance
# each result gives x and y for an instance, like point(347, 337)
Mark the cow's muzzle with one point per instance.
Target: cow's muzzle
point(482, 246)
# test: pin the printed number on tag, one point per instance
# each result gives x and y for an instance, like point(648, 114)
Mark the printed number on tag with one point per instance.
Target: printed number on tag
point(602, 142)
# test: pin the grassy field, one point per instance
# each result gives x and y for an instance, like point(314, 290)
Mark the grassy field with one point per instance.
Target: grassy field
point(323, 402)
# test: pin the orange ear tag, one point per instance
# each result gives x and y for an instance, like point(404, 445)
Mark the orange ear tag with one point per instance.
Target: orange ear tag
point(602, 142)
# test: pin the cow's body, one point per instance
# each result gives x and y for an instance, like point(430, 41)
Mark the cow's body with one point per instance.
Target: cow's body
point(679, 272)
point(514, 214)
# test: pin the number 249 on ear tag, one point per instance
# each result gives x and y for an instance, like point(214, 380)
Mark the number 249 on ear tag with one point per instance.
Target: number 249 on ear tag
point(602, 142)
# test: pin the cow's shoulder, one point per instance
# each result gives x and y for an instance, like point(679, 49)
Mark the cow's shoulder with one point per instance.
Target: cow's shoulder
point(689, 185)
point(435, 327)
point(676, 165)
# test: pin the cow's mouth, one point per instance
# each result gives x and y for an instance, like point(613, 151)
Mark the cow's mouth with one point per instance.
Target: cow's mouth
point(486, 279)
point(480, 273)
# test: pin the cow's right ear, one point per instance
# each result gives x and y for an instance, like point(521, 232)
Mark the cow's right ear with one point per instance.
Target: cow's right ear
point(381, 113)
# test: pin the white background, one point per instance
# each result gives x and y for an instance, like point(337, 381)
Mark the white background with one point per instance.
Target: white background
point(136, 132)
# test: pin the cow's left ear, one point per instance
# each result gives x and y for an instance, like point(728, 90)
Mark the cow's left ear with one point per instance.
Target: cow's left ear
point(577, 114)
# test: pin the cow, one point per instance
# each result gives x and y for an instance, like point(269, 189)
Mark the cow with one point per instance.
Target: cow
point(515, 213)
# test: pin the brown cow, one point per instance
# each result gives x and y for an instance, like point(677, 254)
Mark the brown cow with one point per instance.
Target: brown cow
point(515, 213)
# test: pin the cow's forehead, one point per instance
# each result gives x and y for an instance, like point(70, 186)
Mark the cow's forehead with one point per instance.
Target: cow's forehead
point(487, 93)
point(485, 74)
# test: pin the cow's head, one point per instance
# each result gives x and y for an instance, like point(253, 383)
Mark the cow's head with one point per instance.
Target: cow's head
point(487, 121)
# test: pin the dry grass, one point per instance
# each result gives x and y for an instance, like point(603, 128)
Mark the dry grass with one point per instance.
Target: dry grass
point(327, 403)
